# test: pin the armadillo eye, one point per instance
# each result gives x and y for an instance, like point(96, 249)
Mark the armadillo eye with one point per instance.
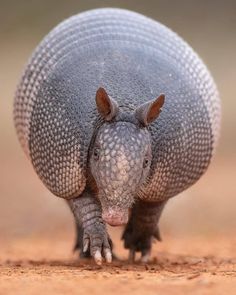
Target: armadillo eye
point(96, 154)
point(145, 163)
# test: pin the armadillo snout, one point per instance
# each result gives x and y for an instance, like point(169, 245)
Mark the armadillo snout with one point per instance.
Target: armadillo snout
point(115, 217)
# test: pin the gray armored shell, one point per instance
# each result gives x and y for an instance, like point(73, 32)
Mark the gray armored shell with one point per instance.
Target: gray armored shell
point(135, 59)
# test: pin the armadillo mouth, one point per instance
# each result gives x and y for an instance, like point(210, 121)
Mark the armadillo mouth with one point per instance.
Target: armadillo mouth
point(115, 217)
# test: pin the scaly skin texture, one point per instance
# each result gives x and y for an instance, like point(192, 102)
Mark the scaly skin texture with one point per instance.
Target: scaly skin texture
point(88, 114)
point(88, 215)
point(135, 59)
point(138, 235)
point(122, 147)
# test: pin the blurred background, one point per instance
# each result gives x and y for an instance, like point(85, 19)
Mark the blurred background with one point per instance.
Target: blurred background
point(26, 207)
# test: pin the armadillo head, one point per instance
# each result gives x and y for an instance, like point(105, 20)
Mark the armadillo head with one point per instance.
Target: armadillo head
point(121, 155)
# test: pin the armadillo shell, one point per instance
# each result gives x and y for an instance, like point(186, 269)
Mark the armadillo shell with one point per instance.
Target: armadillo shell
point(135, 59)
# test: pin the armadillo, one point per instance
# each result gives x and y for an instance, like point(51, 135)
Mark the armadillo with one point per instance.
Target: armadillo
point(117, 115)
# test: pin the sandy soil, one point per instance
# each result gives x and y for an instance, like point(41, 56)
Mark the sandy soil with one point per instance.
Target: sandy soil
point(46, 265)
point(197, 255)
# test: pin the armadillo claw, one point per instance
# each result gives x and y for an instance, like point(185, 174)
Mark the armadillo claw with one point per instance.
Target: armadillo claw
point(86, 245)
point(108, 255)
point(132, 255)
point(98, 257)
point(145, 257)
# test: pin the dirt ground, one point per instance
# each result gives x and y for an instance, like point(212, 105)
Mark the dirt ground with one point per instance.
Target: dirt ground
point(197, 255)
point(46, 265)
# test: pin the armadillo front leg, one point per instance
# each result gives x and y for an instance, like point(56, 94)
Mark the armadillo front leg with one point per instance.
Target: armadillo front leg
point(88, 214)
point(142, 228)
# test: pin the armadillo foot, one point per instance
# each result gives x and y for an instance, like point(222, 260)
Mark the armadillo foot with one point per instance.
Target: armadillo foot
point(145, 256)
point(137, 243)
point(92, 237)
point(97, 243)
point(84, 249)
point(142, 229)
point(138, 239)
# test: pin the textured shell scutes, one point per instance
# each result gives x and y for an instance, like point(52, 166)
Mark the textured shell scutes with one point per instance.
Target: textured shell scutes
point(184, 137)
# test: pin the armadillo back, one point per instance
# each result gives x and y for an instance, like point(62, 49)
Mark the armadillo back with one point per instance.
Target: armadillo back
point(135, 59)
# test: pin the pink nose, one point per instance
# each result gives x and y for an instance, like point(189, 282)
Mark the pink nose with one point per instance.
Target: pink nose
point(115, 217)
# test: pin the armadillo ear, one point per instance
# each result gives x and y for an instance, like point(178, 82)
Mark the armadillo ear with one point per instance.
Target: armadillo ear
point(149, 111)
point(106, 106)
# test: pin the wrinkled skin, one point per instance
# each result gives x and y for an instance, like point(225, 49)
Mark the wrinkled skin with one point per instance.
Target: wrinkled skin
point(119, 162)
